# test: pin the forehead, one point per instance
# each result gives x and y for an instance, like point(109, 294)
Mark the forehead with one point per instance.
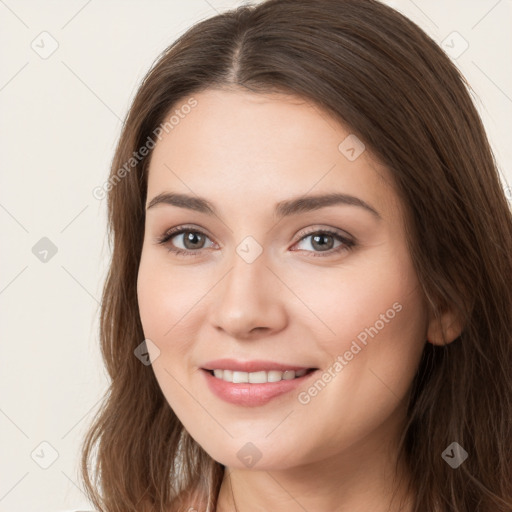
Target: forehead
point(263, 148)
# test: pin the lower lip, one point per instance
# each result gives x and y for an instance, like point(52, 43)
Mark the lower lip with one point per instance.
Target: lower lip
point(251, 395)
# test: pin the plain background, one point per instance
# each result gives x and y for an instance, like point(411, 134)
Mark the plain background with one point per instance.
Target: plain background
point(60, 119)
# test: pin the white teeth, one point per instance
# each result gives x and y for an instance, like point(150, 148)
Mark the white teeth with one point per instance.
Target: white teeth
point(260, 377)
point(257, 377)
point(274, 376)
point(288, 375)
point(240, 377)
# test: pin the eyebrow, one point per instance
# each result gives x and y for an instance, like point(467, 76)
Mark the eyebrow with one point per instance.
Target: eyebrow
point(285, 208)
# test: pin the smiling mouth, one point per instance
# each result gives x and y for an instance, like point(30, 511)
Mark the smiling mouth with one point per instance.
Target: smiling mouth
point(260, 377)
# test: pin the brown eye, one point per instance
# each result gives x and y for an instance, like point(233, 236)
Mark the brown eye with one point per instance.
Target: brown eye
point(322, 241)
point(192, 240)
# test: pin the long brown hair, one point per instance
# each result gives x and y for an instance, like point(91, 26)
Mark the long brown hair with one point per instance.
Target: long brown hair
point(382, 76)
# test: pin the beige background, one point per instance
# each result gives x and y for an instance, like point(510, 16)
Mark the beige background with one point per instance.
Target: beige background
point(60, 118)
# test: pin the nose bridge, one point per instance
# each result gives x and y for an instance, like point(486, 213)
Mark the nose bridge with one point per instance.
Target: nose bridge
point(248, 295)
point(247, 272)
point(247, 280)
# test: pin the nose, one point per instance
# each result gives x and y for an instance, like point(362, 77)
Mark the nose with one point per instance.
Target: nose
point(249, 301)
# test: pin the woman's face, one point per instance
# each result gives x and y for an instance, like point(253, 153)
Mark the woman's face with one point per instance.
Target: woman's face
point(262, 289)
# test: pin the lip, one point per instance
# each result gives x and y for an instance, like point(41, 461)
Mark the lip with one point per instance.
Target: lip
point(255, 365)
point(251, 395)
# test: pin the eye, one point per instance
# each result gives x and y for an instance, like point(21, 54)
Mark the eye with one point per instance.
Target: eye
point(193, 240)
point(324, 239)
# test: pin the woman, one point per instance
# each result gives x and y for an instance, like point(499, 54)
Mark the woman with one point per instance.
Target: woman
point(308, 304)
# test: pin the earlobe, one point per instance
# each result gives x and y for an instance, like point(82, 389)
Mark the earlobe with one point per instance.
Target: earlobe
point(444, 330)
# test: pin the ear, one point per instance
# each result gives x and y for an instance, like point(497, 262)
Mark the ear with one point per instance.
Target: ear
point(445, 329)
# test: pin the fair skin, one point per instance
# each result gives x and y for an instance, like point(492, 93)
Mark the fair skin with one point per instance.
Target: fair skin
point(299, 302)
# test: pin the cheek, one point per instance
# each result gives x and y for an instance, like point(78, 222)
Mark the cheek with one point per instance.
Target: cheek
point(380, 324)
point(165, 307)
point(379, 319)
point(165, 293)
point(152, 298)
point(377, 325)
point(379, 308)
point(379, 298)
point(172, 307)
point(352, 301)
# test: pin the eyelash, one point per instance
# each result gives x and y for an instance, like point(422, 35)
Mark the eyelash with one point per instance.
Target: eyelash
point(347, 244)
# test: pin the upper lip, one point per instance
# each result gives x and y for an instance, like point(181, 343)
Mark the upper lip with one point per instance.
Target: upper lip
point(256, 365)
